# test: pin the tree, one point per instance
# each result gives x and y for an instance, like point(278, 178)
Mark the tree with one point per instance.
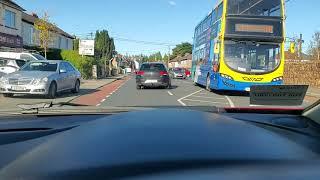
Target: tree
point(104, 45)
point(314, 47)
point(181, 50)
point(45, 32)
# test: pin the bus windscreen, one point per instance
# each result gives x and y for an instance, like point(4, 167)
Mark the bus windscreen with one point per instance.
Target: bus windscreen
point(255, 7)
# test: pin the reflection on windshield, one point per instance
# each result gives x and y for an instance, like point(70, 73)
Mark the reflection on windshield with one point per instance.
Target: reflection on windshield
point(255, 58)
point(40, 66)
point(255, 7)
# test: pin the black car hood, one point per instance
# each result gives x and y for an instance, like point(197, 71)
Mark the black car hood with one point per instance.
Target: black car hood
point(152, 136)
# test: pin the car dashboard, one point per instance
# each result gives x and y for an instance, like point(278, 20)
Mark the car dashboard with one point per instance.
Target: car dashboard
point(159, 144)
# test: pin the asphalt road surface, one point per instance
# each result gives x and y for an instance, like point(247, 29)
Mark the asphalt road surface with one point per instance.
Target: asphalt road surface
point(183, 93)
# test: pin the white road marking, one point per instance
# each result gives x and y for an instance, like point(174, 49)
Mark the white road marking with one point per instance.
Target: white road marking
point(108, 96)
point(170, 93)
point(206, 97)
point(98, 105)
point(103, 100)
point(230, 101)
point(180, 100)
point(213, 102)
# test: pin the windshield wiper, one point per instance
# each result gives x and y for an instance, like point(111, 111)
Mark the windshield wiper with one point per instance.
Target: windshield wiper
point(34, 108)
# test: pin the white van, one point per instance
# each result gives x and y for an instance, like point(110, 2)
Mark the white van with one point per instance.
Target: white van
point(24, 55)
point(8, 66)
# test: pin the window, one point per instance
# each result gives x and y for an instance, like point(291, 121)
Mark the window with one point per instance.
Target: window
point(10, 19)
point(40, 66)
point(153, 67)
point(220, 11)
point(27, 57)
point(20, 63)
point(38, 56)
point(69, 67)
point(255, 7)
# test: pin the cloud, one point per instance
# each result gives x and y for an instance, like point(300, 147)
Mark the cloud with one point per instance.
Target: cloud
point(172, 3)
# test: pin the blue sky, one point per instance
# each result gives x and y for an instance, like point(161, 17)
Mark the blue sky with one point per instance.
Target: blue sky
point(168, 21)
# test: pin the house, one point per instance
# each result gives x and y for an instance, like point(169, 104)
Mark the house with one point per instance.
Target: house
point(181, 62)
point(61, 39)
point(10, 25)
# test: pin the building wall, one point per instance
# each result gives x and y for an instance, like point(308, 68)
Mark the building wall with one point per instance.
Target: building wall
point(6, 30)
point(30, 38)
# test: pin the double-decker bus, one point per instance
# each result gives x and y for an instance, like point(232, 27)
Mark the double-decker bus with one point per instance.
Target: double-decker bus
point(240, 44)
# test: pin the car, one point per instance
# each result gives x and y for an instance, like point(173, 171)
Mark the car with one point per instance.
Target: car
point(178, 73)
point(41, 78)
point(128, 70)
point(22, 55)
point(8, 66)
point(187, 72)
point(153, 75)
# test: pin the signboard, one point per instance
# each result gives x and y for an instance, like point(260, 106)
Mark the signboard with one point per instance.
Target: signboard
point(86, 47)
point(254, 28)
point(278, 95)
point(7, 40)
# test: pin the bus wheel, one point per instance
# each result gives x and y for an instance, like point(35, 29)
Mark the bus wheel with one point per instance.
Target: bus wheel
point(208, 84)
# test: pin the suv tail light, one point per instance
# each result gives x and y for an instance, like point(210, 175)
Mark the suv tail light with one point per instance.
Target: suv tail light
point(163, 73)
point(140, 73)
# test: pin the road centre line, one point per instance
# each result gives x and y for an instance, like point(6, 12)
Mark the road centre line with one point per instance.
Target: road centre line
point(230, 101)
point(170, 93)
point(180, 100)
point(203, 101)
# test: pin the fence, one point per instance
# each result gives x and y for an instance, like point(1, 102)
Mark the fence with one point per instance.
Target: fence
point(302, 73)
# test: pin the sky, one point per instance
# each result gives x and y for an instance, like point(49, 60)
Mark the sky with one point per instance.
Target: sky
point(163, 21)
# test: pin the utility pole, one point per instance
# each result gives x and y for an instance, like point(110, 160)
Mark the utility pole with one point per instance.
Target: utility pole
point(169, 49)
point(300, 42)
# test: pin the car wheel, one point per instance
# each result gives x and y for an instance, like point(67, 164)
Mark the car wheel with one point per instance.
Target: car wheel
point(7, 95)
point(169, 86)
point(208, 88)
point(76, 87)
point(52, 91)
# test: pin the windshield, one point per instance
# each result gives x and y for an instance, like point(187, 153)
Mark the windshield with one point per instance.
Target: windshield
point(40, 66)
point(250, 57)
point(255, 7)
point(199, 54)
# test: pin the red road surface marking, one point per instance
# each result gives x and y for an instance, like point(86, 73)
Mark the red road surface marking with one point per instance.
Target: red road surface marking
point(101, 94)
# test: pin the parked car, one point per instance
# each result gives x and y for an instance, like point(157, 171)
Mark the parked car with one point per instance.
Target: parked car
point(41, 78)
point(187, 72)
point(8, 66)
point(153, 75)
point(23, 55)
point(178, 73)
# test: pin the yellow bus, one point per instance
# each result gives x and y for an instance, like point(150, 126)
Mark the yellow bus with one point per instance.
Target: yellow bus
point(240, 44)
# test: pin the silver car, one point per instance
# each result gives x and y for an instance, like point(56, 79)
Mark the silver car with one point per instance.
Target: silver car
point(41, 78)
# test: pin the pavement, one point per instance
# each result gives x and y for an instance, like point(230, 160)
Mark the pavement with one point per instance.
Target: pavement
point(122, 92)
point(87, 87)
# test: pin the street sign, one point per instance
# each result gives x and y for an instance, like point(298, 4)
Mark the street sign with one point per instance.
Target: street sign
point(278, 95)
point(86, 47)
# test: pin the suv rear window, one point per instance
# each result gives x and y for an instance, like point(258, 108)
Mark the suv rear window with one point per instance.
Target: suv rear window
point(153, 67)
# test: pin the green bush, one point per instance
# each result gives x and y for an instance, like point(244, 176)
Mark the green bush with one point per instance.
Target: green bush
point(83, 64)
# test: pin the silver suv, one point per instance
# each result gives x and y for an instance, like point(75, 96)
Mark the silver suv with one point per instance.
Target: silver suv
point(42, 78)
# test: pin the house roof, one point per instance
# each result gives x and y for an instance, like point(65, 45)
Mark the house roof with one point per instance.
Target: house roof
point(32, 18)
point(184, 58)
point(12, 4)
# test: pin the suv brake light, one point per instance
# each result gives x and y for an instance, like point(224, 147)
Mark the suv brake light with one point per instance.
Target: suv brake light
point(163, 73)
point(140, 73)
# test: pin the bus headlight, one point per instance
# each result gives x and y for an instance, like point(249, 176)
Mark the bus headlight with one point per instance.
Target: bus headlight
point(277, 79)
point(226, 76)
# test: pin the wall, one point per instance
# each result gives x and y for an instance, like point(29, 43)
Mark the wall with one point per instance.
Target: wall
point(30, 38)
point(302, 73)
point(3, 29)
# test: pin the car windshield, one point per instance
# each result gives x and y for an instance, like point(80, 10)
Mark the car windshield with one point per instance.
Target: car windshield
point(40, 66)
point(201, 55)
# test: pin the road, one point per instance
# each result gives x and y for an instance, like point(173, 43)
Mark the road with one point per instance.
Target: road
point(183, 93)
point(123, 93)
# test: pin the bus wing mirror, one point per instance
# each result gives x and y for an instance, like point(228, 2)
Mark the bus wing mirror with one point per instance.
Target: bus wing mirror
point(292, 47)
